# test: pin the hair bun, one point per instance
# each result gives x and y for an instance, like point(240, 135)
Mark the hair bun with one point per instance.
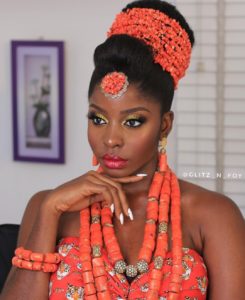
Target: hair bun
point(121, 53)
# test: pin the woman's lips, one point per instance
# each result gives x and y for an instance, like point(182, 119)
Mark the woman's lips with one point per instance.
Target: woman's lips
point(114, 162)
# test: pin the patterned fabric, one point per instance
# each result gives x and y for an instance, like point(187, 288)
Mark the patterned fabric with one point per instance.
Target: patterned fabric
point(67, 283)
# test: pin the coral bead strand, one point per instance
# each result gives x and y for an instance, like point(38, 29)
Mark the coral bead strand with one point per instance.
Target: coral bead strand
point(85, 254)
point(176, 275)
point(151, 218)
point(162, 243)
point(99, 271)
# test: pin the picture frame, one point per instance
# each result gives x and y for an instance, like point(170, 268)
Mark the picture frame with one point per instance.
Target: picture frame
point(38, 101)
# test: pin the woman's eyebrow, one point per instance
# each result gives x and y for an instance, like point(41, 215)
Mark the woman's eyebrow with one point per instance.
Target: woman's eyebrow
point(135, 109)
point(97, 107)
point(126, 111)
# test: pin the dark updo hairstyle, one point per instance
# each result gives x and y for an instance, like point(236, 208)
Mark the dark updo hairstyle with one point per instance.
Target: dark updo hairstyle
point(134, 58)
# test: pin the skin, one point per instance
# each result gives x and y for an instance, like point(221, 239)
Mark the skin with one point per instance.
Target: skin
point(211, 223)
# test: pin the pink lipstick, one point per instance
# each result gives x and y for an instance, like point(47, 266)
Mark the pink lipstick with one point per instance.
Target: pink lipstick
point(114, 162)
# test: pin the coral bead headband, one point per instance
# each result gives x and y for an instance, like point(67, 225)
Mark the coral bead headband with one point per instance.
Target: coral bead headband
point(169, 41)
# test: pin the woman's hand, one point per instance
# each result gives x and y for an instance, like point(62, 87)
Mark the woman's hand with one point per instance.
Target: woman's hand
point(89, 188)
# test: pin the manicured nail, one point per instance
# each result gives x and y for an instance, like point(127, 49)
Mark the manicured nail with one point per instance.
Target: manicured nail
point(112, 208)
point(141, 175)
point(121, 218)
point(130, 214)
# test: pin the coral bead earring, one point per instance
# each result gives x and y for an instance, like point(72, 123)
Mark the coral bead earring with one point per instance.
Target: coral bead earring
point(94, 161)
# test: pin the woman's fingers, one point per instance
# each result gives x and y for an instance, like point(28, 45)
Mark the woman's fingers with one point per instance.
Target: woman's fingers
point(94, 193)
point(105, 191)
point(121, 194)
point(90, 188)
point(119, 202)
point(129, 179)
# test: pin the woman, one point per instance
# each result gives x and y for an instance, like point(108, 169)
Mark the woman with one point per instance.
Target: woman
point(111, 226)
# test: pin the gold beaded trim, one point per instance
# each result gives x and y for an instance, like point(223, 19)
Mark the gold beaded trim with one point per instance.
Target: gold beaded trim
point(163, 227)
point(152, 199)
point(96, 251)
point(131, 271)
point(158, 262)
point(120, 266)
point(142, 266)
point(95, 219)
point(108, 225)
point(150, 221)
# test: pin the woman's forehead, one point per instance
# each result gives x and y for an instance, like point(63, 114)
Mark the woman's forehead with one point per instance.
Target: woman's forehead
point(130, 99)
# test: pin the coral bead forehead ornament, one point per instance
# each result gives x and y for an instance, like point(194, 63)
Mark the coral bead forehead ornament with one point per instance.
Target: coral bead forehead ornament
point(114, 84)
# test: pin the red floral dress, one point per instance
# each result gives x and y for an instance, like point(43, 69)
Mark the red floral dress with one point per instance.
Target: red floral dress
point(67, 283)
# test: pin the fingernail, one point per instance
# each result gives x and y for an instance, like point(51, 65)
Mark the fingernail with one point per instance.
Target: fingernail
point(130, 214)
point(121, 218)
point(142, 175)
point(112, 208)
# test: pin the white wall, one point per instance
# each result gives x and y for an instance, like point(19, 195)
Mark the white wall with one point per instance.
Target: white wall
point(82, 25)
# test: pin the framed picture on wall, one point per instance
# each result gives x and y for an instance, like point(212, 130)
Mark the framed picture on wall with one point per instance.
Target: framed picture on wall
point(38, 100)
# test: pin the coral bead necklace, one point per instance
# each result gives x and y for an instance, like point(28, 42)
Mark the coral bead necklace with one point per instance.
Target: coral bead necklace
point(97, 230)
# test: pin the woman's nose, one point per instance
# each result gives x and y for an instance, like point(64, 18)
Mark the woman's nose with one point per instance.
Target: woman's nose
point(113, 137)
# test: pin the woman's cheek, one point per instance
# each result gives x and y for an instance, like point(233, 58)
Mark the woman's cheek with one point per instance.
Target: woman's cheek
point(92, 137)
point(143, 143)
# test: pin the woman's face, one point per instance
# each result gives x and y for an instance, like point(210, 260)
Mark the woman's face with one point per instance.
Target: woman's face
point(124, 133)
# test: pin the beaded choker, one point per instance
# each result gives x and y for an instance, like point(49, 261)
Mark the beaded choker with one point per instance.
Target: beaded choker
point(97, 230)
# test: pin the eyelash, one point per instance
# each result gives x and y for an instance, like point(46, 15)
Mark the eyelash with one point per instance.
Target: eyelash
point(95, 117)
point(140, 120)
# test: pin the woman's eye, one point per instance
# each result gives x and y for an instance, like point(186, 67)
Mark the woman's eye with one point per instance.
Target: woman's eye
point(133, 122)
point(98, 121)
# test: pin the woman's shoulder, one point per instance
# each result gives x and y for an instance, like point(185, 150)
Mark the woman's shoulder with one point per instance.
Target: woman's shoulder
point(208, 214)
point(36, 200)
point(30, 214)
point(206, 202)
point(218, 228)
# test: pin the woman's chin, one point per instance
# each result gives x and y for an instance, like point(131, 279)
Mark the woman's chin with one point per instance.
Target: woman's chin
point(116, 171)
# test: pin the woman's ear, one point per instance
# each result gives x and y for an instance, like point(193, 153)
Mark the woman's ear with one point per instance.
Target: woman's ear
point(167, 123)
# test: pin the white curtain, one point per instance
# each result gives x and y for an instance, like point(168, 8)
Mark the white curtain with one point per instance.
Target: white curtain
point(210, 102)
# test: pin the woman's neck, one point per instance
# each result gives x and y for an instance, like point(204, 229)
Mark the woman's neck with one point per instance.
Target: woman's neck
point(137, 192)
